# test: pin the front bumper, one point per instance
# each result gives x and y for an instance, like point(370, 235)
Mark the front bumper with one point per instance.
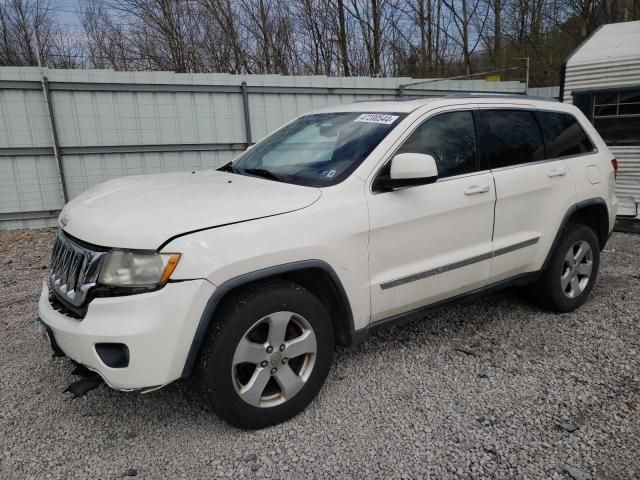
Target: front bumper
point(157, 327)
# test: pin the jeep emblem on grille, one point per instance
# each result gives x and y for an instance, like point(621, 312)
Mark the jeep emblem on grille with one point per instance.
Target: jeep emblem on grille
point(64, 220)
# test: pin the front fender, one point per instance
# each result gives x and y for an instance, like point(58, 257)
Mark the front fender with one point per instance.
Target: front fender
point(222, 290)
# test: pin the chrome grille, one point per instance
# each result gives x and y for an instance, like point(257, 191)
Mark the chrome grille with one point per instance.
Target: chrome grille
point(74, 270)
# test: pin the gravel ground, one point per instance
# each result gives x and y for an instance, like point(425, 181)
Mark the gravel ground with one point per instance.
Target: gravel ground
point(493, 388)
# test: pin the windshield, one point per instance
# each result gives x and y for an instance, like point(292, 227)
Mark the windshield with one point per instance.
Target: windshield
point(317, 150)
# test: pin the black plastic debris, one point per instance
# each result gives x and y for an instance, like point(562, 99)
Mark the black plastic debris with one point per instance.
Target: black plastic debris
point(81, 371)
point(87, 382)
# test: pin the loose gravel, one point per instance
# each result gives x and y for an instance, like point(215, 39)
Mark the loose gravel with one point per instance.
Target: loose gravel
point(493, 388)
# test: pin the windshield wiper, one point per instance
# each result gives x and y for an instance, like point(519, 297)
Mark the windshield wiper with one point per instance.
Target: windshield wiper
point(261, 172)
point(228, 167)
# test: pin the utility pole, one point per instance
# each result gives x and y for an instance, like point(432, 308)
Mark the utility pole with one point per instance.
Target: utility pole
point(526, 81)
point(46, 91)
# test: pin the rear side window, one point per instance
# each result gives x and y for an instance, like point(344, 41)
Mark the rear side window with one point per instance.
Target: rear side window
point(450, 139)
point(563, 134)
point(510, 137)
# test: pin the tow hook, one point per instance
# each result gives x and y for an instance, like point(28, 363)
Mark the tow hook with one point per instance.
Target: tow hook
point(88, 381)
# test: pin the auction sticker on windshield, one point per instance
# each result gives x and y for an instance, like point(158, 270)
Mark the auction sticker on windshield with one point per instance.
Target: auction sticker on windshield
point(377, 118)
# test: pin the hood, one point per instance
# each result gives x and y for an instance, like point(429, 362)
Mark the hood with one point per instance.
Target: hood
point(143, 212)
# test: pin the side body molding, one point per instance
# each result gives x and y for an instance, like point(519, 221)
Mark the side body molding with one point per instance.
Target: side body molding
point(227, 286)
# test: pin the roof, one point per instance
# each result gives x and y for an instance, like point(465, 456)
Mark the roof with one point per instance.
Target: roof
point(409, 104)
point(396, 105)
point(609, 42)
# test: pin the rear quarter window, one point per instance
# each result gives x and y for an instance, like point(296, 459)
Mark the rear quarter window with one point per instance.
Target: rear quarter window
point(563, 134)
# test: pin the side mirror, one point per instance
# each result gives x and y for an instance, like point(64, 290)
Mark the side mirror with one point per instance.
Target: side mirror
point(409, 170)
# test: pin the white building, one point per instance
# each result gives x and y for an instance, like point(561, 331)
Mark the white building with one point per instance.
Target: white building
point(602, 78)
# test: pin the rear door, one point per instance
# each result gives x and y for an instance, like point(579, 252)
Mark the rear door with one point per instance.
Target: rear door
point(533, 192)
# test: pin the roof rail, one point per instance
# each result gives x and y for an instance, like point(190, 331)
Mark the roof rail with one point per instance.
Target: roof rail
point(496, 95)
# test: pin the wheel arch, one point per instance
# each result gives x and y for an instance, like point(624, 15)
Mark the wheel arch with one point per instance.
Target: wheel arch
point(593, 213)
point(316, 276)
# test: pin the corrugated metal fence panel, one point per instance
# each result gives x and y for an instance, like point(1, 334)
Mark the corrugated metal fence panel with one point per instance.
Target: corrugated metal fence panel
point(139, 111)
point(143, 118)
point(628, 181)
point(85, 171)
point(551, 93)
point(29, 184)
point(23, 119)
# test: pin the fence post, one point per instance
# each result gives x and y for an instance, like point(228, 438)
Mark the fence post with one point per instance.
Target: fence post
point(54, 136)
point(247, 118)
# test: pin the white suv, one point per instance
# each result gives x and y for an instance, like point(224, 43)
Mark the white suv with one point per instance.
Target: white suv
point(343, 221)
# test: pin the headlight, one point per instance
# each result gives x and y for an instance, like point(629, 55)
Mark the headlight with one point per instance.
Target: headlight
point(135, 269)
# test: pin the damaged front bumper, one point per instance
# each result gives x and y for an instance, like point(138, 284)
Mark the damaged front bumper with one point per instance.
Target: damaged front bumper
point(154, 330)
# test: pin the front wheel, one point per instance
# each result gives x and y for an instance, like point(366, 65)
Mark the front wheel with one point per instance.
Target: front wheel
point(266, 355)
point(571, 273)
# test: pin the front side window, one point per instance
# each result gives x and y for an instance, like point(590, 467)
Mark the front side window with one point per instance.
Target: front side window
point(450, 139)
point(510, 137)
point(563, 134)
point(317, 150)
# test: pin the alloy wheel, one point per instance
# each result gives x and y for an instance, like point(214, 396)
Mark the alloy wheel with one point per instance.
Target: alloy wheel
point(274, 359)
point(576, 269)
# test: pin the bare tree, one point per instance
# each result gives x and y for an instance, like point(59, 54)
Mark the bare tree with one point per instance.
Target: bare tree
point(342, 37)
point(269, 27)
point(224, 36)
point(368, 15)
point(105, 43)
point(464, 15)
point(318, 35)
point(165, 32)
point(333, 37)
point(28, 30)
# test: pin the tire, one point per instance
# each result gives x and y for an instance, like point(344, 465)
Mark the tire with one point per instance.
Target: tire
point(556, 288)
point(235, 361)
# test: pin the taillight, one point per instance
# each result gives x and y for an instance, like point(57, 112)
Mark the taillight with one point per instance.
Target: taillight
point(614, 164)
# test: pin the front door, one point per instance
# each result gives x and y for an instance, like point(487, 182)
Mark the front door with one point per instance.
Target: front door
point(431, 242)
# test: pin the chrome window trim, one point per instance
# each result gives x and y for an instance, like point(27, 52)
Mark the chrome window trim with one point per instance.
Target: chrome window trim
point(548, 160)
point(477, 107)
point(462, 175)
point(552, 159)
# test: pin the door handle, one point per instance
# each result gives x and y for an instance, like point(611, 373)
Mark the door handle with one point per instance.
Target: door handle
point(474, 189)
point(556, 172)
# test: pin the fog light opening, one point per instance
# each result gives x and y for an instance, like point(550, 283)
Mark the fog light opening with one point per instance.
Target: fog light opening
point(113, 355)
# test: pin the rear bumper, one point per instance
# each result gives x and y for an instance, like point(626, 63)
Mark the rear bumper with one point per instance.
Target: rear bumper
point(157, 328)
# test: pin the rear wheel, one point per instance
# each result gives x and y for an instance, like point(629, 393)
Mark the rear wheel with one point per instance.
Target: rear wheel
point(267, 355)
point(571, 273)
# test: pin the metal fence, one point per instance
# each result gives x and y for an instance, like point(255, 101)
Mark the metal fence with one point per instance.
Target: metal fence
point(63, 131)
point(552, 93)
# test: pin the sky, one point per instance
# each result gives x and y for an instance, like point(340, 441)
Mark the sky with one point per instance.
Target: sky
point(68, 12)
